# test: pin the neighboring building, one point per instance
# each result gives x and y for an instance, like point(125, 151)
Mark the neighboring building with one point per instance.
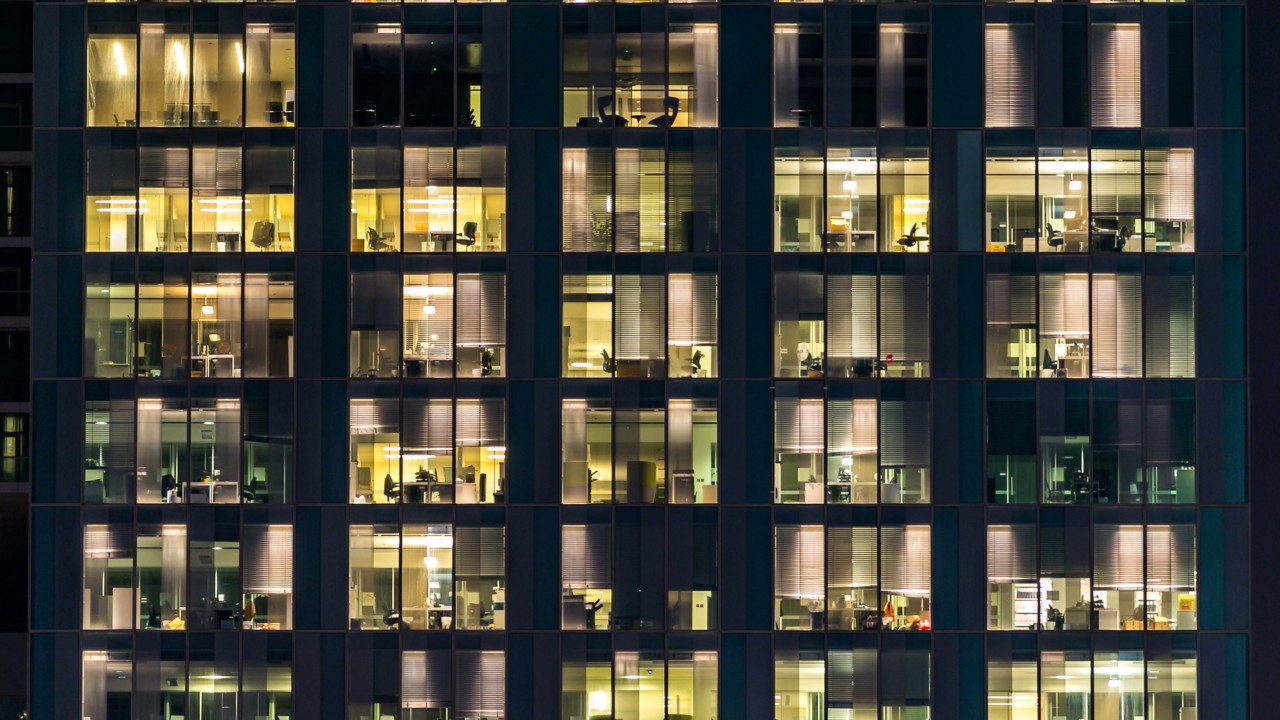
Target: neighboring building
point(796, 361)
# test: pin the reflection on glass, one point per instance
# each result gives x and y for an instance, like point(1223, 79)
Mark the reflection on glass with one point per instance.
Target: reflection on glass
point(269, 75)
point(587, 474)
point(692, 451)
point(111, 76)
point(162, 575)
point(108, 577)
point(904, 202)
point(587, 346)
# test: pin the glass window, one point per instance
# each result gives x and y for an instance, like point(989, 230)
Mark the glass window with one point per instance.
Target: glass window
point(797, 70)
point(587, 177)
point(1118, 440)
point(268, 441)
point(853, 578)
point(852, 685)
point(215, 447)
point(268, 198)
point(1013, 593)
point(905, 572)
point(377, 298)
point(853, 326)
point(111, 193)
point(1119, 677)
point(853, 445)
point(1117, 200)
point(268, 325)
point(1171, 678)
point(693, 335)
point(586, 677)
point(455, 199)
point(428, 325)
point(162, 575)
point(799, 678)
point(215, 325)
point(692, 450)
point(217, 71)
point(267, 554)
point(1117, 324)
point(107, 680)
point(798, 175)
point(164, 197)
point(15, 448)
point(426, 680)
point(693, 192)
point(163, 454)
point(165, 79)
point(214, 598)
point(693, 673)
point(109, 438)
point(1064, 338)
point(164, 330)
point(799, 324)
point(798, 585)
point(639, 326)
point(1169, 199)
point(639, 677)
point(375, 193)
point(266, 688)
point(481, 190)
point(587, 473)
point(1011, 448)
point(1170, 443)
point(851, 197)
point(588, 326)
point(905, 298)
point(1065, 578)
point(426, 457)
point(1065, 447)
point(1064, 199)
point(108, 575)
point(217, 199)
point(640, 453)
point(586, 568)
point(1065, 682)
point(430, 57)
point(1169, 339)
point(904, 445)
point(904, 201)
point(693, 69)
point(1010, 53)
point(374, 596)
point(1011, 201)
point(375, 74)
point(375, 450)
point(1011, 683)
point(430, 196)
point(693, 576)
point(1012, 341)
point(111, 78)
point(482, 449)
point(903, 80)
point(1116, 64)
point(269, 71)
point(160, 674)
point(109, 327)
point(640, 178)
point(426, 568)
point(480, 557)
point(798, 448)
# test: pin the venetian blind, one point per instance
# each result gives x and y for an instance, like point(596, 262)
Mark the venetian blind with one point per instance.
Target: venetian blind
point(852, 560)
point(586, 557)
point(797, 562)
point(167, 167)
point(587, 220)
point(108, 541)
point(1011, 299)
point(482, 683)
point(1117, 557)
point(1011, 553)
point(1117, 75)
point(268, 558)
point(1010, 89)
point(370, 417)
point(851, 679)
point(798, 425)
point(905, 558)
point(1171, 557)
point(1117, 182)
point(425, 679)
point(1170, 333)
point(428, 167)
point(639, 326)
point(904, 433)
point(692, 309)
point(852, 427)
point(640, 187)
point(428, 426)
point(482, 310)
point(851, 316)
point(1117, 325)
point(480, 552)
point(1064, 305)
point(1171, 183)
point(481, 421)
point(216, 171)
point(904, 318)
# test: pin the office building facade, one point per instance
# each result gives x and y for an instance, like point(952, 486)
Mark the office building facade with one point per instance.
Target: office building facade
point(802, 361)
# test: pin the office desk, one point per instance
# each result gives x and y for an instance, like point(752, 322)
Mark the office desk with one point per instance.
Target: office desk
point(213, 491)
point(420, 491)
point(214, 366)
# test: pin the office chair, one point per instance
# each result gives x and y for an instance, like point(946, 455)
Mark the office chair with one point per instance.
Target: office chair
point(486, 362)
point(392, 618)
point(610, 364)
point(468, 237)
point(1055, 238)
point(390, 488)
point(695, 363)
point(603, 102)
point(264, 234)
point(376, 242)
point(666, 120)
point(909, 240)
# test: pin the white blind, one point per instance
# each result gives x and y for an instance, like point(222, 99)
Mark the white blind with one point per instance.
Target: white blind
point(1171, 557)
point(482, 683)
point(640, 206)
point(216, 170)
point(1117, 557)
point(108, 541)
point(851, 679)
point(425, 167)
point(639, 322)
point(1010, 91)
point(1011, 553)
point(482, 421)
point(851, 316)
point(852, 560)
point(904, 317)
point(1171, 183)
point(587, 180)
point(798, 425)
point(482, 310)
point(797, 562)
point(905, 557)
point(1117, 182)
point(268, 558)
point(1011, 299)
point(425, 679)
point(586, 556)
point(692, 309)
point(1117, 74)
point(904, 433)
point(1117, 325)
point(1170, 335)
point(852, 427)
point(428, 426)
point(370, 417)
point(480, 552)
point(1064, 305)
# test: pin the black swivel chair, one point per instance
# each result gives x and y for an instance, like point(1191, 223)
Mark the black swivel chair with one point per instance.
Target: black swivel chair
point(376, 242)
point(264, 234)
point(468, 237)
point(666, 120)
point(486, 362)
point(909, 240)
point(1056, 238)
point(390, 488)
point(608, 119)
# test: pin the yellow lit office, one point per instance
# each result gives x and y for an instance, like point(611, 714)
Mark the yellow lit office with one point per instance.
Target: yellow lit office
point(376, 186)
point(693, 335)
point(436, 344)
point(588, 321)
point(586, 576)
point(454, 197)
